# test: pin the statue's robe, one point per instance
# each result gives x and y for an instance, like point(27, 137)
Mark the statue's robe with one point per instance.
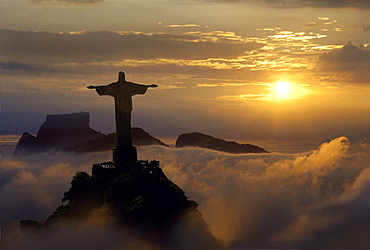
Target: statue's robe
point(122, 92)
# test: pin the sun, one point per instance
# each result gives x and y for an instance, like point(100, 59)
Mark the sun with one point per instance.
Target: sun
point(288, 91)
point(282, 88)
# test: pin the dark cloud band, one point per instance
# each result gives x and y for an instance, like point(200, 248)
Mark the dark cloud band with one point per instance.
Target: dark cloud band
point(358, 4)
point(106, 45)
point(351, 62)
point(71, 1)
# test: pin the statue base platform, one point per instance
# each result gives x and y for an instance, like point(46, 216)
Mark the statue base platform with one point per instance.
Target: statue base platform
point(125, 155)
point(125, 162)
point(111, 170)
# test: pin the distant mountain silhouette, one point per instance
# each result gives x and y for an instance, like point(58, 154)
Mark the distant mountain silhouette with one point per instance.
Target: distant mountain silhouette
point(72, 132)
point(139, 138)
point(58, 132)
point(196, 139)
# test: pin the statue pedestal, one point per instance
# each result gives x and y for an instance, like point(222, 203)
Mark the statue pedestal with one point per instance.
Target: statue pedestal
point(111, 171)
point(124, 155)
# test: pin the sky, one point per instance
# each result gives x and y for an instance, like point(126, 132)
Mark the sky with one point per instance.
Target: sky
point(217, 64)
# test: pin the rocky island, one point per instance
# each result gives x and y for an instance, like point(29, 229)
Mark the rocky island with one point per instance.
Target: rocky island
point(206, 141)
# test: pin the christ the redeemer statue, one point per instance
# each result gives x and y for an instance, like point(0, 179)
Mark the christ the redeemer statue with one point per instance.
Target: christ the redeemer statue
point(122, 91)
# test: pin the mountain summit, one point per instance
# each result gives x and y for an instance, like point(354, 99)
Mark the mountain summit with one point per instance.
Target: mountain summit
point(139, 202)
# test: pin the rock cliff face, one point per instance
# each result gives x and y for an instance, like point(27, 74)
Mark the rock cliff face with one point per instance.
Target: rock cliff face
point(206, 141)
point(72, 132)
point(141, 138)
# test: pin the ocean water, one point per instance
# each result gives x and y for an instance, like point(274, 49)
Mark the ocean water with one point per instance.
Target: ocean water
point(7, 144)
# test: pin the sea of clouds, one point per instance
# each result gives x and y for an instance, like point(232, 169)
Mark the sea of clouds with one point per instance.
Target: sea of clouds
point(317, 199)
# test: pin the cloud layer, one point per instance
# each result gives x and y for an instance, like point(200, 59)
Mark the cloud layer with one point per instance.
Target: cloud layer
point(273, 200)
point(106, 45)
point(359, 4)
point(275, 50)
point(351, 63)
point(303, 200)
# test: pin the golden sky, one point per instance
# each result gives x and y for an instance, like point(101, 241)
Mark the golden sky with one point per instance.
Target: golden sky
point(217, 64)
point(280, 72)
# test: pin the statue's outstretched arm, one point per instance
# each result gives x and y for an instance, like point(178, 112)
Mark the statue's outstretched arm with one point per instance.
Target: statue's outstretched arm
point(153, 86)
point(91, 87)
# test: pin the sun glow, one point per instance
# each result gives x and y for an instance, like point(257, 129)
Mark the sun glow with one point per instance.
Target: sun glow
point(282, 88)
point(283, 91)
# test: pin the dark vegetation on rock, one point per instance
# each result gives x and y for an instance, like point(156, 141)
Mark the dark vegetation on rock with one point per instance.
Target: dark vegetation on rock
point(206, 141)
point(149, 205)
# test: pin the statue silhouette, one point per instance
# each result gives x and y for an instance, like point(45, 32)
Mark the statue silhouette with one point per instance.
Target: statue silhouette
point(122, 91)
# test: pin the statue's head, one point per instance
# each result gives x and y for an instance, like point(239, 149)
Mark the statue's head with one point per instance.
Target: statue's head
point(121, 76)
